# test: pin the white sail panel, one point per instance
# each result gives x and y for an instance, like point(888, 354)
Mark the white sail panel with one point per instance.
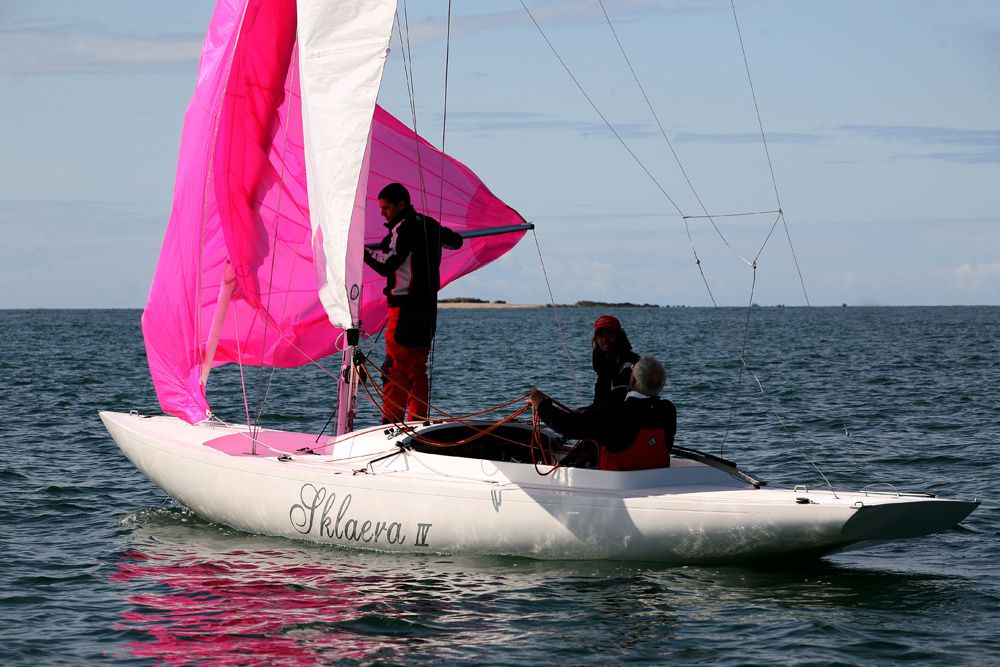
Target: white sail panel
point(342, 51)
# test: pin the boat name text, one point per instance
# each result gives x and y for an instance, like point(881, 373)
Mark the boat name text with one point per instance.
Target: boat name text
point(318, 511)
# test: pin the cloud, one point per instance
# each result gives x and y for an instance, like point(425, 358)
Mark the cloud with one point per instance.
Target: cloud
point(72, 46)
point(750, 138)
point(550, 15)
point(926, 135)
point(979, 275)
point(984, 157)
point(36, 51)
point(983, 145)
point(487, 122)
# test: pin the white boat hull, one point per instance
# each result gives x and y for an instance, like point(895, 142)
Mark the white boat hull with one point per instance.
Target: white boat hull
point(416, 502)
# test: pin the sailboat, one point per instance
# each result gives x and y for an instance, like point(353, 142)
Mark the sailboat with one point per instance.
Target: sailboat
point(283, 151)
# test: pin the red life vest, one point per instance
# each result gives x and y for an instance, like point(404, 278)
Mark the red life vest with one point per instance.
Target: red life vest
point(648, 450)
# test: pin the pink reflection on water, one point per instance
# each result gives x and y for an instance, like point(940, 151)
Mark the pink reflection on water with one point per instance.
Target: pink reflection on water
point(240, 608)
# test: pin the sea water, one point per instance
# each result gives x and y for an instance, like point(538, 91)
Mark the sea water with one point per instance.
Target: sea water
point(101, 568)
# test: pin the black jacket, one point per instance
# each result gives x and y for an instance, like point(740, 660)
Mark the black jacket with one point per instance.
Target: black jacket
point(615, 424)
point(410, 258)
point(614, 369)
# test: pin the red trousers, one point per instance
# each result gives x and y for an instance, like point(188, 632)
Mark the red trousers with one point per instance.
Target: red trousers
point(404, 385)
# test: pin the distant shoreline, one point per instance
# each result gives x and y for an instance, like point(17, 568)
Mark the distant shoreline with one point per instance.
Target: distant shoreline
point(476, 304)
point(462, 302)
point(448, 304)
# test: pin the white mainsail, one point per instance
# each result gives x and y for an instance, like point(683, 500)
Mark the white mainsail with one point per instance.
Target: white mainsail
point(342, 51)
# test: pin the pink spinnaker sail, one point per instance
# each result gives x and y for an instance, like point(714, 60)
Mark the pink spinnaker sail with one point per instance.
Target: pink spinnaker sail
point(241, 195)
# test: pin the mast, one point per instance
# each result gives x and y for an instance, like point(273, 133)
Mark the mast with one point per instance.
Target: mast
point(347, 385)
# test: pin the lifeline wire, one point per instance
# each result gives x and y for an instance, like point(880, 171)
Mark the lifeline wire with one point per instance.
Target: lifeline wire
point(401, 425)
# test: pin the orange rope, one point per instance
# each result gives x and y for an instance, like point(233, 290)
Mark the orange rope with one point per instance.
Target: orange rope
point(536, 436)
point(459, 420)
point(536, 439)
point(426, 404)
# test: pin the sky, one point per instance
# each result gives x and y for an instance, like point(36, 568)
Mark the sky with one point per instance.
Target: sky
point(882, 122)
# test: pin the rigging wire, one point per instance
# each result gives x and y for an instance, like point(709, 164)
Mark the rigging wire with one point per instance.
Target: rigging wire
point(636, 158)
point(767, 152)
point(781, 217)
point(670, 144)
point(204, 219)
point(444, 112)
point(555, 313)
point(262, 395)
point(444, 129)
point(597, 110)
point(411, 92)
point(677, 159)
point(410, 84)
point(243, 384)
point(730, 215)
point(744, 366)
point(411, 89)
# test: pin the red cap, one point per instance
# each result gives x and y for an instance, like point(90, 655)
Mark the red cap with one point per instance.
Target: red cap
point(607, 322)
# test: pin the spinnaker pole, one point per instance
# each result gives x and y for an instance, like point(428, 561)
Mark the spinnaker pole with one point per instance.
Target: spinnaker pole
point(485, 231)
point(496, 231)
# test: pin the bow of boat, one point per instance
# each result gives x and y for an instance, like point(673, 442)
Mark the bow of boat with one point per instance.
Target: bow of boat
point(907, 516)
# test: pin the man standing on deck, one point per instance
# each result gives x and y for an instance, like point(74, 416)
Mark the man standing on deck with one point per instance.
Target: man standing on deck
point(410, 259)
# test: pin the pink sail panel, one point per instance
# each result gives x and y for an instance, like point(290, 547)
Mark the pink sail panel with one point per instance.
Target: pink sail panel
point(191, 252)
point(240, 194)
point(463, 203)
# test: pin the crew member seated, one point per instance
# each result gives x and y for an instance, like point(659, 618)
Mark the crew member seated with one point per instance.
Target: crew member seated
point(636, 434)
